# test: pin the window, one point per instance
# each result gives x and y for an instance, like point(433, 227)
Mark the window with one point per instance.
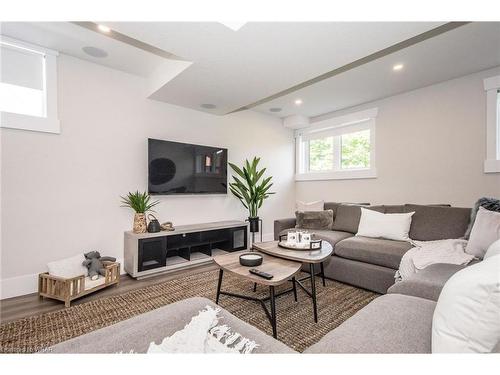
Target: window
point(338, 148)
point(492, 162)
point(28, 87)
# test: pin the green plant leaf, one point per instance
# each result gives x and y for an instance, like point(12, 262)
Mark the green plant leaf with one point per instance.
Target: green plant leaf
point(246, 186)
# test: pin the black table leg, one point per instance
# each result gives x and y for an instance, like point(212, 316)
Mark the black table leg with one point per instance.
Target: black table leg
point(219, 284)
point(273, 311)
point(323, 273)
point(313, 292)
point(294, 283)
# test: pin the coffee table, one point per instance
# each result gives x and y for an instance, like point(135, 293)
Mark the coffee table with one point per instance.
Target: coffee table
point(282, 270)
point(310, 257)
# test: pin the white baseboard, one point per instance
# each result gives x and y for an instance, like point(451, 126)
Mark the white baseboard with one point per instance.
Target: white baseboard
point(18, 286)
point(25, 284)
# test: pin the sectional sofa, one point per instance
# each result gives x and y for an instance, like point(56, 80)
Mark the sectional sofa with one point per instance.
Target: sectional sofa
point(371, 263)
point(398, 322)
point(393, 323)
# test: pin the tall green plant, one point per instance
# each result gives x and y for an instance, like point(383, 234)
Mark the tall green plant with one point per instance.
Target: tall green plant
point(139, 202)
point(247, 188)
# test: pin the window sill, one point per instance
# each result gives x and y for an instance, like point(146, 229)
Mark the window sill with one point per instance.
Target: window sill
point(337, 175)
point(491, 166)
point(25, 122)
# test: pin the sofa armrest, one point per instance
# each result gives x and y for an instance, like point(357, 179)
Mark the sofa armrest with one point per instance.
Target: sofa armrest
point(282, 224)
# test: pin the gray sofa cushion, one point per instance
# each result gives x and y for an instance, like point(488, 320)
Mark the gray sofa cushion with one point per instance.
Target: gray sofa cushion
point(136, 333)
point(334, 205)
point(331, 236)
point(347, 218)
point(392, 323)
point(360, 274)
point(427, 283)
point(281, 225)
point(394, 209)
point(321, 220)
point(437, 222)
point(377, 251)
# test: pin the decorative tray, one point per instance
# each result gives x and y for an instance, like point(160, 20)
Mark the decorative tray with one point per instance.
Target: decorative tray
point(311, 245)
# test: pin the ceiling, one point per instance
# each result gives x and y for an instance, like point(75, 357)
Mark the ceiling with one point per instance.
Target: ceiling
point(231, 69)
point(234, 68)
point(464, 50)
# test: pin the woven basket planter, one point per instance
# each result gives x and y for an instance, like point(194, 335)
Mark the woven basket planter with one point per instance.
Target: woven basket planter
point(140, 225)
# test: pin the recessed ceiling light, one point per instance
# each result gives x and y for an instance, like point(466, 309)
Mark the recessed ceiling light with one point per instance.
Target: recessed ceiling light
point(397, 67)
point(208, 106)
point(298, 101)
point(275, 109)
point(103, 28)
point(95, 52)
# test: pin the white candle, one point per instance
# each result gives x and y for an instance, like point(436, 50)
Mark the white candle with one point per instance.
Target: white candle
point(251, 257)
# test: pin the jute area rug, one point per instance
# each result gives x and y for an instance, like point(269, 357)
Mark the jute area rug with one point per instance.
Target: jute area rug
point(296, 328)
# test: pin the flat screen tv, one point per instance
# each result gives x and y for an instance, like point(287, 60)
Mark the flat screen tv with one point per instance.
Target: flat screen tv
point(182, 168)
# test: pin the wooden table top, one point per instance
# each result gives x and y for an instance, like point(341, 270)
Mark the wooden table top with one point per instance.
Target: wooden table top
point(281, 269)
point(304, 256)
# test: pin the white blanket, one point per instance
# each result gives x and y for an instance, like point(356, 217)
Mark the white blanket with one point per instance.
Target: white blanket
point(203, 335)
point(426, 253)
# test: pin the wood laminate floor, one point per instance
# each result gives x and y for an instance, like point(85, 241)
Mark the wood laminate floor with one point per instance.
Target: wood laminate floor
point(28, 305)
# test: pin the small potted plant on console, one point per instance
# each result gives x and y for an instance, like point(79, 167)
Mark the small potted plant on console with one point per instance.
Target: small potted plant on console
point(140, 203)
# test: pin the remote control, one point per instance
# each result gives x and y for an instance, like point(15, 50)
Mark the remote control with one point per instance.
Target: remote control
point(260, 273)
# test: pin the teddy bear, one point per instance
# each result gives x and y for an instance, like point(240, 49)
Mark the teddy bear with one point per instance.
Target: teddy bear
point(94, 263)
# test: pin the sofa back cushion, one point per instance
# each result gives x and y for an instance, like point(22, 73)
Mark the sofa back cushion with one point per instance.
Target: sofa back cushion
point(348, 215)
point(431, 223)
point(394, 209)
point(334, 205)
point(321, 220)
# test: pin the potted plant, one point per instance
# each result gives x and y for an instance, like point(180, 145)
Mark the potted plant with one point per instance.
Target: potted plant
point(250, 190)
point(140, 203)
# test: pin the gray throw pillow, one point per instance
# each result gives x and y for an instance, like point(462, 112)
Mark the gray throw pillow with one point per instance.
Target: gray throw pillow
point(491, 204)
point(320, 220)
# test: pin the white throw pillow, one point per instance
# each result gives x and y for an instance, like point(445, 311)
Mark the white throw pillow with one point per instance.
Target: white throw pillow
point(390, 226)
point(310, 206)
point(467, 314)
point(493, 250)
point(485, 231)
point(68, 267)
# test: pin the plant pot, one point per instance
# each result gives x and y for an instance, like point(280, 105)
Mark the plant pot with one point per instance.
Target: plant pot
point(140, 225)
point(254, 224)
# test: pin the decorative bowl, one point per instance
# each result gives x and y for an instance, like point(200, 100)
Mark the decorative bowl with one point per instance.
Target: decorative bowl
point(250, 259)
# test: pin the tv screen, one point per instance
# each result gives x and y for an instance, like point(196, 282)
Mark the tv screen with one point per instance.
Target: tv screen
point(182, 168)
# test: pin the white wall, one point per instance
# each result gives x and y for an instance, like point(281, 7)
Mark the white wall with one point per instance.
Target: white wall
point(430, 146)
point(60, 193)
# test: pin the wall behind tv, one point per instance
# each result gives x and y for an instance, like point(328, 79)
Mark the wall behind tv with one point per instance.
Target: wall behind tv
point(60, 193)
point(430, 146)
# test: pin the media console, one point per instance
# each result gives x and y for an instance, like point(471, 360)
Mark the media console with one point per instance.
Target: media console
point(189, 245)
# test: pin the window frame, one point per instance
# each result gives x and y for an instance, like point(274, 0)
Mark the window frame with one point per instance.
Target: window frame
point(365, 119)
point(492, 88)
point(50, 123)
